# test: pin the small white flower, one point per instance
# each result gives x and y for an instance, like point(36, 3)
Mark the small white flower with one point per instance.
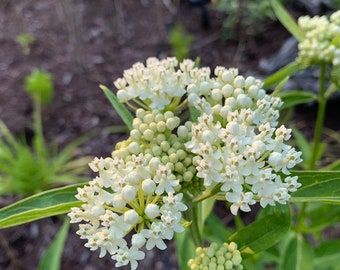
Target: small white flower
point(127, 255)
point(154, 236)
point(240, 201)
point(164, 180)
point(292, 184)
point(173, 202)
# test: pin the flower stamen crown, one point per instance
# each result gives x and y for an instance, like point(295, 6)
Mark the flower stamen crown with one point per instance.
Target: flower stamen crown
point(322, 40)
point(234, 147)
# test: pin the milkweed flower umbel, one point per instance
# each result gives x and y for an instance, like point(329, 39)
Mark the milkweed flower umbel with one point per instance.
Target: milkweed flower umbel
point(234, 147)
point(321, 44)
point(128, 197)
point(239, 145)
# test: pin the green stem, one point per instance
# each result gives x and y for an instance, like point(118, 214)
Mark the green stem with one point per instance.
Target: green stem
point(194, 213)
point(39, 140)
point(320, 117)
point(209, 193)
point(302, 218)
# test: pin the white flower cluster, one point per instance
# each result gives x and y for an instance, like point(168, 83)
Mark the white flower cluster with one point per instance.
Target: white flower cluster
point(226, 256)
point(159, 84)
point(321, 43)
point(136, 196)
point(234, 147)
point(240, 147)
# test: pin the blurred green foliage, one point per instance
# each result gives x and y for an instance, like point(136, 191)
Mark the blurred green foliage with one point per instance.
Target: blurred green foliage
point(247, 16)
point(25, 40)
point(180, 42)
point(39, 85)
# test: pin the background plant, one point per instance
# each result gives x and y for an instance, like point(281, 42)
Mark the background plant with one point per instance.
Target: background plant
point(180, 42)
point(25, 40)
point(245, 16)
point(28, 167)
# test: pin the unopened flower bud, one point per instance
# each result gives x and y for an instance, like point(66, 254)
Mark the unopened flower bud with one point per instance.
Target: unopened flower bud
point(172, 123)
point(148, 186)
point(118, 202)
point(122, 95)
point(182, 132)
point(151, 210)
point(131, 217)
point(148, 134)
point(129, 193)
point(216, 94)
point(161, 126)
point(239, 82)
point(138, 240)
point(134, 147)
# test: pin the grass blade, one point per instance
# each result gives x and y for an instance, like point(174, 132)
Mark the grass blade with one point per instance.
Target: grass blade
point(52, 255)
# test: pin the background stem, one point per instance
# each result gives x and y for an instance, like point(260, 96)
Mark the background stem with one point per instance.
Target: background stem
point(320, 118)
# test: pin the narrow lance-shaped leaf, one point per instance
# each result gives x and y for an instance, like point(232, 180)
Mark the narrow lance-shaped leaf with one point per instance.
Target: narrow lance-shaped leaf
point(122, 111)
point(52, 256)
point(293, 98)
point(298, 255)
point(318, 186)
point(185, 249)
point(45, 204)
point(215, 230)
point(281, 75)
point(287, 20)
point(263, 233)
point(327, 255)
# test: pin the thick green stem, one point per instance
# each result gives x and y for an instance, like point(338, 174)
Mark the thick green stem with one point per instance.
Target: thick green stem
point(320, 117)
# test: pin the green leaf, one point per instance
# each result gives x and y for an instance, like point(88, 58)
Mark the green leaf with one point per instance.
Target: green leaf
point(327, 254)
point(308, 178)
point(185, 249)
point(215, 230)
point(320, 216)
point(45, 204)
point(281, 75)
point(122, 111)
point(207, 206)
point(263, 233)
point(334, 166)
point(194, 113)
point(280, 86)
point(303, 145)
point(293, 98)
point(287, 20)
point(52, 256)
point(318, 186)
point(298, 255)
